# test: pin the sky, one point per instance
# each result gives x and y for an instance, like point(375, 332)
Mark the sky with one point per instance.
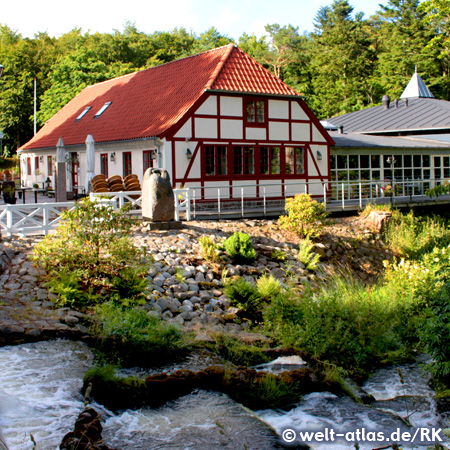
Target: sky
point(230, 17)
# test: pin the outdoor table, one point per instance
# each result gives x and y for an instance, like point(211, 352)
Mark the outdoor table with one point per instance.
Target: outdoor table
point(22, 191)
point(36, 190)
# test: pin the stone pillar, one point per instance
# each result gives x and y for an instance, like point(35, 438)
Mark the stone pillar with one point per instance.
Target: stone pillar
point(60, 178)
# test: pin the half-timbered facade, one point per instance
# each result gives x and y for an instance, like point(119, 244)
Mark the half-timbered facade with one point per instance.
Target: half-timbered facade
point(214, 120)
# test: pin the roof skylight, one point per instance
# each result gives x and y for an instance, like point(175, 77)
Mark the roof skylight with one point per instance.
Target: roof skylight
point(83, 113)
point(102, 110)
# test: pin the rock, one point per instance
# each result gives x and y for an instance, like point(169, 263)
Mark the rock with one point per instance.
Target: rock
point(71, 320)
point(379, 220)
point(162, 303)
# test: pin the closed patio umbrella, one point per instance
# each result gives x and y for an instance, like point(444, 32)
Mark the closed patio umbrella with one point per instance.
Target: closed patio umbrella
point(90, 160)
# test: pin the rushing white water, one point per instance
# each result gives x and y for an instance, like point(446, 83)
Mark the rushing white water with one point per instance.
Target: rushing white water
point(400, 400)
point(40, 396)
point(40, 392)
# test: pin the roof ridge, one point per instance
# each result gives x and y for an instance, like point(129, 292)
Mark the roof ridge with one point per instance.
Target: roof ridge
point(160, 65)
point(220, 65)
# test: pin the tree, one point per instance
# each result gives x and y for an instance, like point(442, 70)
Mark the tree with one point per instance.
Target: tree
point(281, 47)
point(342, 60)
point(24, 60)
point(401, 37)
point(437, 14)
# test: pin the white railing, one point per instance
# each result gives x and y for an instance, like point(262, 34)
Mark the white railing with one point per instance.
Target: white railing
point(121, 199)
point(182, 201)
point(31, 218)
point(43, 217)
point(263, 197)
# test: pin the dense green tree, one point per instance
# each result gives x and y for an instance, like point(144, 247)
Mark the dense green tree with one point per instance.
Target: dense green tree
point(437, 14)
point(24, 60)
point(400, 36)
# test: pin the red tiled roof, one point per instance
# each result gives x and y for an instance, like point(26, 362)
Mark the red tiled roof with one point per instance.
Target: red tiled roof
point(147, 103)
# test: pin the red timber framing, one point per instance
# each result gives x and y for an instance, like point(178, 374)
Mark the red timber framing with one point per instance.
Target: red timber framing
point(244, 158)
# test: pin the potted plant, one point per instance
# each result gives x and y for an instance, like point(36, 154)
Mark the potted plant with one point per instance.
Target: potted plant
point(9, 194)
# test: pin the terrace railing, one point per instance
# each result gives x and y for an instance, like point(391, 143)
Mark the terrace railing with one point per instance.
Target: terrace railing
point(203, 202)
point(38, 218)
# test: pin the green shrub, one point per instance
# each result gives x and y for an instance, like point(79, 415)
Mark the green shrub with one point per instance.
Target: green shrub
point(92, 252)
point(306, 256)
point(240, 248)
point(305, 216)
point(242, 294)
point(435, 335)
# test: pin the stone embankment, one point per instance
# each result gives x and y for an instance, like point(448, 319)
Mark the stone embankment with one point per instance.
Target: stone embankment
point(26, 310)
point(185, 288)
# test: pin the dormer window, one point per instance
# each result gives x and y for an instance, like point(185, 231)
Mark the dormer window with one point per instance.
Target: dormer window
point(255, 112)
point(102, 110)
point(83, 113)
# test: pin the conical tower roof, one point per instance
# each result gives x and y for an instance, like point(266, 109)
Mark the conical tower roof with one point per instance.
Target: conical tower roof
point(416, 88)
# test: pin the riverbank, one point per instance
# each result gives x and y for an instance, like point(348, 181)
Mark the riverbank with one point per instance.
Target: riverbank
point(185, 288)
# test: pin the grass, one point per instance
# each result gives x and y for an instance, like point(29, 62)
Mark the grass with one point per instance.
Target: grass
point(136, 332)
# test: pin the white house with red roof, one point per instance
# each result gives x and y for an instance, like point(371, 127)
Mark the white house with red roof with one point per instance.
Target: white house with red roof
point(218, 118)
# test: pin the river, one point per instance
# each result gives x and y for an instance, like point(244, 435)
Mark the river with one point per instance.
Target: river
point(40, 396)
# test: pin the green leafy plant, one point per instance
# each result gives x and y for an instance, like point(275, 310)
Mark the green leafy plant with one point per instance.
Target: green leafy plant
point(268, 287)
point(240, 248)
point(94, 242)
point(305, 216)
point(278, 255)
point(306, 256)
point(9, 191)
point(209, 249)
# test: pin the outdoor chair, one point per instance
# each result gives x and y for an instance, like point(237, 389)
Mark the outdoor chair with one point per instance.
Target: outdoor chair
point(99, 177)
point(129, 178)
point(133, 186)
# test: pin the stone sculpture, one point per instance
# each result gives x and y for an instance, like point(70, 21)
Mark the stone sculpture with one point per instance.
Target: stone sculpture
point(158, 201)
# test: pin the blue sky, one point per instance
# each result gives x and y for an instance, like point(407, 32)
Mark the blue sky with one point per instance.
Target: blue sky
point(230, 17)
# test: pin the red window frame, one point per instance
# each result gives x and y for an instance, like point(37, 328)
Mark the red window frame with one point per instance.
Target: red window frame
point(244, 163)
point(255, 112)
point(147, 160)
point(36, 163)
point(50, 165)
point(216, 160)
point(298, 163)
point(29, 166)
point(269, 160)
point(126, 164)
point(104, 167)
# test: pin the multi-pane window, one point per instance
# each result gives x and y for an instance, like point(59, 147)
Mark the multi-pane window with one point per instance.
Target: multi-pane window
point(126, 161)
point(295, 160)
point(269, 160)
point(216, 160)
point(104, 164)
point(147, 161)
point(243, 160)
point(256, 111)
point(50, 166)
